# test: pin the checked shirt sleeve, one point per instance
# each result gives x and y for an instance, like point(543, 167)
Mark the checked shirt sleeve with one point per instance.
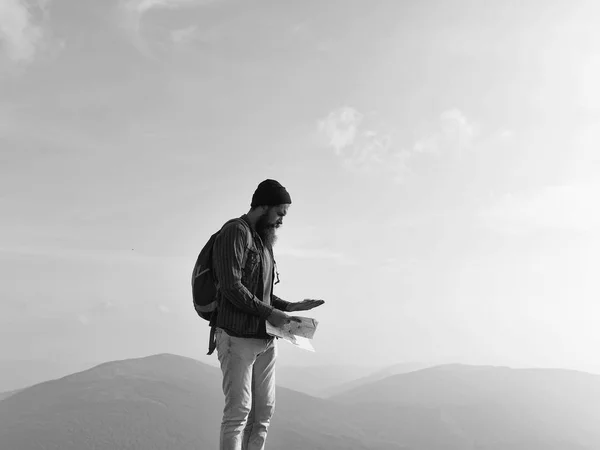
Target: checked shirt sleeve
point(279, 303)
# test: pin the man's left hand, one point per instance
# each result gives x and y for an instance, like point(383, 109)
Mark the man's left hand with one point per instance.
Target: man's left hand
point(305, 305)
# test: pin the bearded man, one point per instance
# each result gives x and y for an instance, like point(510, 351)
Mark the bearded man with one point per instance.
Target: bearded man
point(244, 268)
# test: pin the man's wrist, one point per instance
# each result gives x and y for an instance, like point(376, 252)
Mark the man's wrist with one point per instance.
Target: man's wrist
point(268, 311)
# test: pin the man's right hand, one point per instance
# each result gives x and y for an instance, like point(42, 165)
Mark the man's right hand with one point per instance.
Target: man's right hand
point(279, 318)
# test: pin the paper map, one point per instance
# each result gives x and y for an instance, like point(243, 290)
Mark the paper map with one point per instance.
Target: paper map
point(298, 333)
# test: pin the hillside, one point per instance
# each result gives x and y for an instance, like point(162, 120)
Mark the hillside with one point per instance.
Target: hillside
point(159, 402)
point(4, 395)
point(18, 374)
point(356, 382)
point(492, 407)
point(327, 380)
point(318, 381)
point(170, 402)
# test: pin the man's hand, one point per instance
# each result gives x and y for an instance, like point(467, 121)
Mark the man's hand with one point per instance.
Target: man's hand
point(305, 305)
point(279, 318)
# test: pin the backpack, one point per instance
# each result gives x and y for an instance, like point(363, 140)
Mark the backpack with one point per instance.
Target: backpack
point(204, 286)
point(204, 283)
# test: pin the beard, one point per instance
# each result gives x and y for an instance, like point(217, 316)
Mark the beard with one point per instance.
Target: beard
point(266, 231)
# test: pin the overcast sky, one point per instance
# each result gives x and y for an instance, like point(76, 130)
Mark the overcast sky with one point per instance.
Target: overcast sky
point(442, 157)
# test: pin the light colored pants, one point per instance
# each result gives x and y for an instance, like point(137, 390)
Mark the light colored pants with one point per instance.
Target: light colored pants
point(248, 367)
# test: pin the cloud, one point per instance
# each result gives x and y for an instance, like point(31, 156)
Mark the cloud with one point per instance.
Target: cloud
point(340, 127)
point(455, 133)
point(357, 139)
point(506, 134)
point(21, 34)
point(184, 35)
point(134, 10)
point(569, 207)
point(456, 126)
point(142, 6)
point(365, 143)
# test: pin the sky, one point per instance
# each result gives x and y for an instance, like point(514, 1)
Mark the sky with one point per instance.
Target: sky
point(442, 158)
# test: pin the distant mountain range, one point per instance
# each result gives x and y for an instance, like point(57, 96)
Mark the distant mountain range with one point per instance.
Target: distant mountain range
point(7, 394)
point(327, 380)
point(320, 380)
point(171, 402)
point(369, 378)
point(18, 374)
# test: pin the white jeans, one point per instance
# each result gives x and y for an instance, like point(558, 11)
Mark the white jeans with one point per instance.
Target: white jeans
point(248, 367)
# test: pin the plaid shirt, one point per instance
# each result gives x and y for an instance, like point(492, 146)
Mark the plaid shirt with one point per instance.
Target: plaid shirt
point(239, 262)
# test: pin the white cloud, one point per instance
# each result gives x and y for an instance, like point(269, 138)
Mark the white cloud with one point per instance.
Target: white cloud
point(133, 11)
point(21, 35)
point(184, 36)
point(340, 127)
point(562, 207)
point(141, 6)
point(399, 166)
point(164, 309)
point(364, 144)
point(506, 134)
point(361, 144)
point(456, 126)
point(455, 133)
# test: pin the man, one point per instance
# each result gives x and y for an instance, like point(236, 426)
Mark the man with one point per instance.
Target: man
point(244, 267)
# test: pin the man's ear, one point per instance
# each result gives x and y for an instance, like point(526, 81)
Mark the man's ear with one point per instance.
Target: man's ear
point(260, 210)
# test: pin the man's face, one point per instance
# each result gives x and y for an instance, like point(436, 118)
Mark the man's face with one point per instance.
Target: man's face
point(269, 222)
point(275, 215)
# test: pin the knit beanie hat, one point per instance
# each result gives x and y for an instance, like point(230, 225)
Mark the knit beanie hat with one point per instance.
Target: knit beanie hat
point(270, 193)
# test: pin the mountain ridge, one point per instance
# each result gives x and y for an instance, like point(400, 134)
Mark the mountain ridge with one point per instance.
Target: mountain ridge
point(166, 401)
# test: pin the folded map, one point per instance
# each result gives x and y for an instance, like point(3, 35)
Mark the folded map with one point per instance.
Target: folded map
point(297, 333)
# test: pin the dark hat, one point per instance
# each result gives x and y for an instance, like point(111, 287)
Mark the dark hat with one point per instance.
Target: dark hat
point(270, 193)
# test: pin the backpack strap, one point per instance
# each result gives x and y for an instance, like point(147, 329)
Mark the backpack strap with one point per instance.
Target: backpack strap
point(246, 226)
point(212, 342)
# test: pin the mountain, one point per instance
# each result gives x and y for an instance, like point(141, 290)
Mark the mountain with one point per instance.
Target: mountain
point(18, 374)
point(170, 402)
point(159, 402)
point(328, 380)
point(355, 382)
point(4, 395)
point(492, 407)
point(319, 380)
